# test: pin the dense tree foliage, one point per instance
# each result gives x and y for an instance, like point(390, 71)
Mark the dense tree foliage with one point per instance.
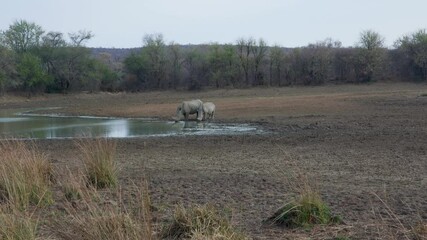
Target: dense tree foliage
point(413, 50)
point(34, 60)
point(22, 36)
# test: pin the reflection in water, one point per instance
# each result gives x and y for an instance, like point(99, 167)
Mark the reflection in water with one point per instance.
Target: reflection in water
point(71, 127)
point(117, 128)
point(194, 125)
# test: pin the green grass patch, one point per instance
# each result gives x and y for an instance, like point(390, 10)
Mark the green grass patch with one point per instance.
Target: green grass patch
point(200, 222)
point(308, 210)
point(99, 161)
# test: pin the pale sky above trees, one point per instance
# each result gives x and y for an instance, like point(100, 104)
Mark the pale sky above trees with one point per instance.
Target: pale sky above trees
point(289, 23)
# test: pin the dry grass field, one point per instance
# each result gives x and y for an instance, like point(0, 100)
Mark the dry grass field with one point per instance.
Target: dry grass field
point(363, 147)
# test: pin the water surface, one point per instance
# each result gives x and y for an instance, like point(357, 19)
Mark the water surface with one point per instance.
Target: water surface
point(35, 126)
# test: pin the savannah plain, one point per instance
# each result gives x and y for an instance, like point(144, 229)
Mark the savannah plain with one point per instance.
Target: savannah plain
point(362, 146)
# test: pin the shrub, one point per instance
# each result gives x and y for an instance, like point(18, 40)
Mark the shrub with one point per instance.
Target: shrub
point(99, 161)
point(25, 175)
point(200, 222)
point(307, 210)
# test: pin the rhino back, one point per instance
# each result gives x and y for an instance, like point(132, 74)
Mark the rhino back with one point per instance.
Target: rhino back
point(208, 107)
point(192, 106)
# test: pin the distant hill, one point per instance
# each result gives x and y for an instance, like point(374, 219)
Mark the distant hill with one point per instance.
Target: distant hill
point(117, 54)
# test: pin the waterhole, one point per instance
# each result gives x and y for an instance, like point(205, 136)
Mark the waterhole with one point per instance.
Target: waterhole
point(27, 125)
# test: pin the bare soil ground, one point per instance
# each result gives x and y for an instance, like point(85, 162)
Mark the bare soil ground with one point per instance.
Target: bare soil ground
point(353, 141)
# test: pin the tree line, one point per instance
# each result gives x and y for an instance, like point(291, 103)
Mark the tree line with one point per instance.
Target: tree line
point(32, 60)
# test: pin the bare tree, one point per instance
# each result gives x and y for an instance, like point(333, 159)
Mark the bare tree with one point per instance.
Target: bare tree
point(259, 53)
point(277, 57)
point(77, 39)
point(244, 53)
point(154, 50)
point(176, 61)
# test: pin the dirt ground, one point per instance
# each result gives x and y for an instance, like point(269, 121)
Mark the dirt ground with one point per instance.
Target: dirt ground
point(353, 141)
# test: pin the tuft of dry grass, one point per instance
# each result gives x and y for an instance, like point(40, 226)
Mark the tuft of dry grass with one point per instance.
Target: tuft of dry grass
point(74, 185)
point(392, 227)
point(99, 161)
point(25, 175)
point(108, 219)
point(16, 225)
point(420, 231)
point(200, 222)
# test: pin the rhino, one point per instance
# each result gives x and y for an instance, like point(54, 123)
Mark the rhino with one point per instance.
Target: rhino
point(189, 107)
point(208, 111)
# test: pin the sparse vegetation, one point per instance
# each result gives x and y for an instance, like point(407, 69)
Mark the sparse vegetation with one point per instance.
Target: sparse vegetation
point(108, 219)
point(305, 210)
point(25, 175)
point(322, 126)
point(309, 209)
point(392, 227)
point(200, 222)
point(99, 161)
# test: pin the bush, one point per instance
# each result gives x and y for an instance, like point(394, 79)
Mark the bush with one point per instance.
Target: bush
point(25, 175)
point(99, 161)
point(200, 222)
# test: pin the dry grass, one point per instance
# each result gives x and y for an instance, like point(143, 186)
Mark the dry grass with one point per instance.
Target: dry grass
point(96, 219)
point(25, 175)
point(420, 231)
point(99, 161)
point(74, 185)
point(390, 225)
point(200, 222)
point(15, 225)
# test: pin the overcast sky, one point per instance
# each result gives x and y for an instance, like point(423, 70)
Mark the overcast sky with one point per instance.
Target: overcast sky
point(289, 23)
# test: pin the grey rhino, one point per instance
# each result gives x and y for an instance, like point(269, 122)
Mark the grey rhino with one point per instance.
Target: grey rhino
point(189, 107)
point(208, 110)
